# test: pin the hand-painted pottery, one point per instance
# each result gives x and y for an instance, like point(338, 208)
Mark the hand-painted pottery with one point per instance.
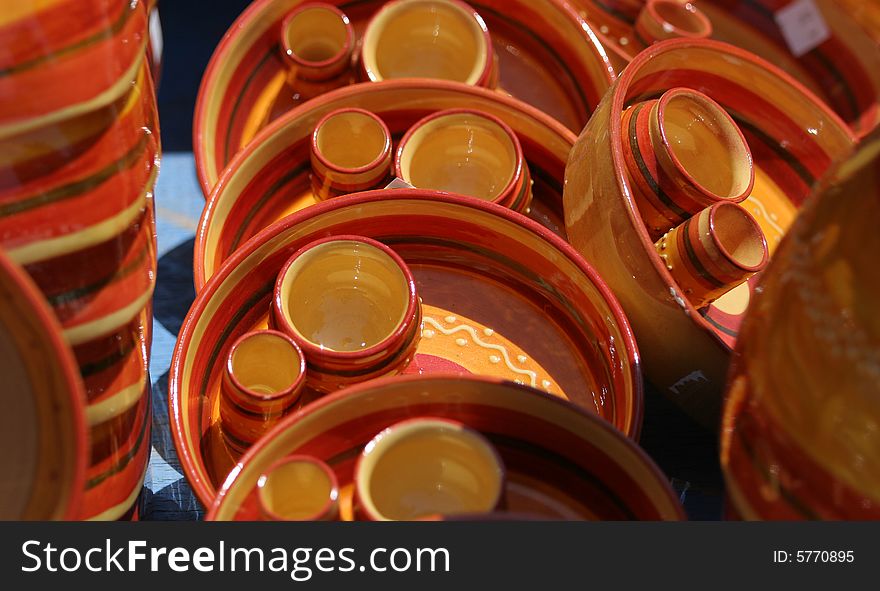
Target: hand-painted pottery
point(800, 431)
point(350, 152)
point(683, 153)
point(269, 179)
point(547, 56)
point(501, 296)
point(298, 488)
point(466, 152)
point(79, 153)
point(351, 304)
point(442, 39)
point(42, 425)
point(265, 375)
point(713, 252)
point(318, 40)
point(659, 20)
point(427, 466)
point(793, 139)
point(561, 462)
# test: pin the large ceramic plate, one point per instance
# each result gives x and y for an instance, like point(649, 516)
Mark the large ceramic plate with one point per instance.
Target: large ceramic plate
point(269, 178)
point(549, 58)
point(561, 462)
point(502, 296)
point(794, 138)
point(42, 426)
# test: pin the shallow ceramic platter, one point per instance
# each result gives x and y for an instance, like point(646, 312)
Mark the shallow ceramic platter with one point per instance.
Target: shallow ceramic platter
point(270, 177)
point(502, 297)
point(42, 426)
point(561, 462)
point(793, 137)
point(548, 56)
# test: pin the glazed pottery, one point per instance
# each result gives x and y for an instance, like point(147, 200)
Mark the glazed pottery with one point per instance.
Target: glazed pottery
point(561, 462)
point(659, 20)
point(799, 436)
point(466, 152)
point(79, 151)
point(298, 488)
point(350, 152)
point(318, 40)
point(43, 425)
point(547, 55)
point(793, 139)
point(427, 466)
point(265, 373)
point(501, 296)
point(713, 252)
point(683, 153)
point(442, 39)
point(257, 191)
point(351, 304)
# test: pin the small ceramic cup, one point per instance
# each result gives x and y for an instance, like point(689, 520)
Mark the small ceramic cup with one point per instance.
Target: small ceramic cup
point(350, 152)
point(445, 39)
point(427, 466)
point(466, 152)
point(264, 376)
point(350, 302)
point(713, 252)
point(670, 19)
point(298, 488)
point(317, 40)
point(683, 153)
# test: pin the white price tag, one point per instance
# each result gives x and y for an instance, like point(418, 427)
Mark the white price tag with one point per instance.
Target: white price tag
point(803, 26)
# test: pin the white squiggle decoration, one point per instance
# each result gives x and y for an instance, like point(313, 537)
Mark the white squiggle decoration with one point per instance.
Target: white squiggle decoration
point(533, 377)
point(767, 215)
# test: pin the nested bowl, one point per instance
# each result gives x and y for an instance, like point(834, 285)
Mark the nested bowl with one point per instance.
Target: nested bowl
point(501, 296)
point(561, 461)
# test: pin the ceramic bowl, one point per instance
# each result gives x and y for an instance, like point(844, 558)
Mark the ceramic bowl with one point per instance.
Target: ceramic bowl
point(561, 461)
point(256, 191)
point(547, 55)
point(43, 417)
point(350, 152)
point(659, 20)
point(427, 466)
point(351, 304)
point(318, 40)
point(298, 488)
point(534, 311)
point(466, 152)
point(793, 139)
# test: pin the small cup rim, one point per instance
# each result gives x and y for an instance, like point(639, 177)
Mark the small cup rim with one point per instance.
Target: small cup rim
point(713, 210)
point(385, 154)
point(731, 128)
point(519, 155)
point(400, 427)
point(290, 390)
point(400, 330)
point(347, 46)
point(475, 78)
point(704, 23)
point(332, 499)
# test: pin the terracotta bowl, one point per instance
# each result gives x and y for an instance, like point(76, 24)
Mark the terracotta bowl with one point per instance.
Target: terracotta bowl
point(547, 55)
point(534, 311)
point(43, 425)
point(257, 189)
point(561, 462)
point(298, 488)
point(793, 139)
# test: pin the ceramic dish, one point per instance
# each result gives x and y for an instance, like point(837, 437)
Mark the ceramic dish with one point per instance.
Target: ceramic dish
point(43, 417)
point(843, 71)
point(561, 462)
point(548, 57)
point(502, 296)
point(793, 138)
point(270, 177)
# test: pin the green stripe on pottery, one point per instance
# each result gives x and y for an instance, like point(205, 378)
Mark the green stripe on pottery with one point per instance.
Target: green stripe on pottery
point(126, 459)
point(694, 259)
point(101, 35)
point(77, 188)
point(90, 369)
point(72, 295)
